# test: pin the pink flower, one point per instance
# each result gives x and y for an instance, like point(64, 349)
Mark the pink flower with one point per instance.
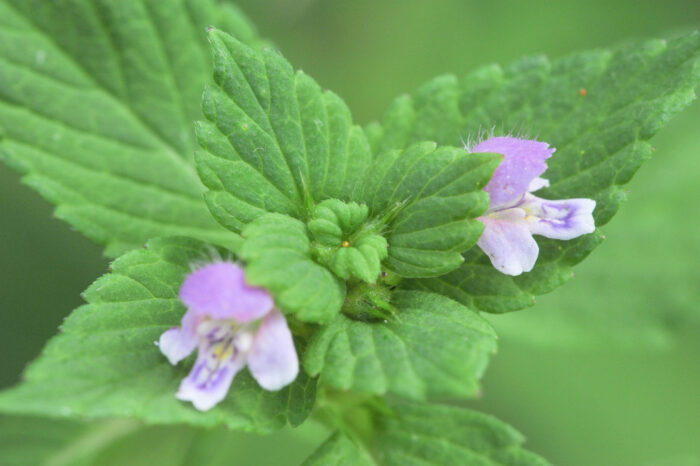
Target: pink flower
point(232, 325)
point(514, 215)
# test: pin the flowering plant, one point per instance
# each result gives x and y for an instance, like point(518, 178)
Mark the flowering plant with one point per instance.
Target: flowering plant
point(360, 263)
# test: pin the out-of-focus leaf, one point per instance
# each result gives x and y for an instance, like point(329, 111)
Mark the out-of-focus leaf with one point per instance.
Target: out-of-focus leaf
point(97, 103)
point(422, 434)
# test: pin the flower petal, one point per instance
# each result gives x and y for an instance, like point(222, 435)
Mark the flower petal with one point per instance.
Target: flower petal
point(508, 242)
point(219, 291)
point(210, 379)
point(565, 219)
point(524, 160)
point(176, 344)
point(537, 183)
point(273, 359)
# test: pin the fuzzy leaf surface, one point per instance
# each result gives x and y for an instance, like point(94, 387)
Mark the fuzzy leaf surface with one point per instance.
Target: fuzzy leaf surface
point(277, 251)
point(439, 194)
point(105, 363)
point(273, 140)
point(421, 433)
point(97, 103)
point(435, 347)
point(601, 140)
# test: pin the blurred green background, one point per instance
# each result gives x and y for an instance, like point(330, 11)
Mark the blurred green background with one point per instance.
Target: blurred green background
point(604, 371)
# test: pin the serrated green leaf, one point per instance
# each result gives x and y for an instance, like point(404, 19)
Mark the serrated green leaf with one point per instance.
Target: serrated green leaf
point(435, 347)
point(600, 139)
point(438, 196)
point(277, 251)
point(422, 434)
point(105, 363)
point(97, 100)
point(274, 141)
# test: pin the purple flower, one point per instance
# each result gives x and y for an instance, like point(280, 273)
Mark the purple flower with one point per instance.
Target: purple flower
point(232, 325)
point(514, 215)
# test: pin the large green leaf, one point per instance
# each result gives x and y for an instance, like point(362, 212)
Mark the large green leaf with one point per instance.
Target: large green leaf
point(104, 363)
point(600, 139)
point(56, 442)
point(339, 450)
point(274, 141)
point(97, 103)
point(422, 434)
point(435, 347)
point(30, 441)
point(438, 194)
point(277, 251)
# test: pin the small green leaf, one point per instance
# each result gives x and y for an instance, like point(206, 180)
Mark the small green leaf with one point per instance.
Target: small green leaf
point(105, 363)
point(346, 217)
point(274, 141)
point(97, 101)
point(277, 251)
point(600, 139)
point(345, 243)
point(437, 195)
point(421, 434)
point(435, 347)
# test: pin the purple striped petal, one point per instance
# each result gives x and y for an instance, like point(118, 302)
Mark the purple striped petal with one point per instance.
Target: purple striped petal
point(219, 359)
point(273, 359)
point(508, 242)
point(565, 219)
point(524, 160)
point(219, 291)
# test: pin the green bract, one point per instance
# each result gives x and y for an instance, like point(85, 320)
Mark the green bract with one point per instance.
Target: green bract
point(345, 243)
